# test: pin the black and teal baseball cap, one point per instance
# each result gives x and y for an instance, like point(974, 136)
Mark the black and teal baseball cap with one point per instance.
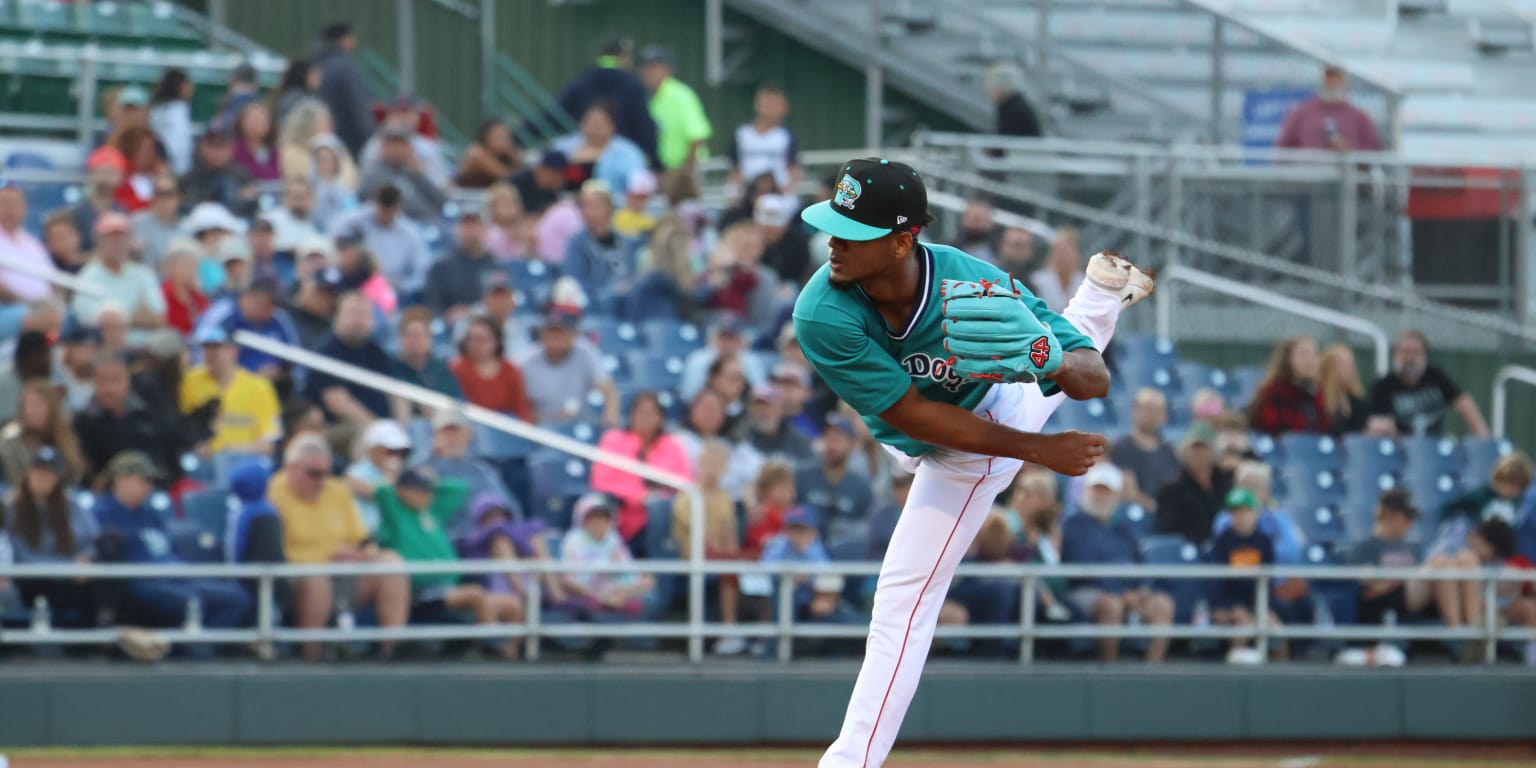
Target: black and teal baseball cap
point(872, 198)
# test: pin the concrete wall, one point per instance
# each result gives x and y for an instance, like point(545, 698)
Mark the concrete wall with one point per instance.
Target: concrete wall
point(486, 704)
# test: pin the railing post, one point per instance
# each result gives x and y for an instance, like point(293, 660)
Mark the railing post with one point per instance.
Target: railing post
point(1261, 621)
point(1490, 616)
point(714, 42)
point(1218, 74)
point(488, 58)
point(1348, 216)
point(218, 19)
point(786, 617)
point(1142, 206)
point(874, 77)
point(85, 111)
point(264, 616)
point(1174, 217)
point(533, 617)
point(1525, 271)
point(405, 33)
point(1043, 43)
point(1027, 620)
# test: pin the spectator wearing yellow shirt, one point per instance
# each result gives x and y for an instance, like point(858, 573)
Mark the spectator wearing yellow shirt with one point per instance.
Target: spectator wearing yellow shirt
point(635, 219)
point(249, 417)
point(321, 524)
point(682, 128)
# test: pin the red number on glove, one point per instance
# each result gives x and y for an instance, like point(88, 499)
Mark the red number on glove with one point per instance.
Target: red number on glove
point(1040, 352)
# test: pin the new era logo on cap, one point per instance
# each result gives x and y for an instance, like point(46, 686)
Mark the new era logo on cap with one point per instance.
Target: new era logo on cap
point(873, 198)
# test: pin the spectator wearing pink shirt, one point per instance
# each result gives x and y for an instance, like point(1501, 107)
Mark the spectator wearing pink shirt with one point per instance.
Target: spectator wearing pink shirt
point(1329, 121)
point(17, 290)
point(645, 441)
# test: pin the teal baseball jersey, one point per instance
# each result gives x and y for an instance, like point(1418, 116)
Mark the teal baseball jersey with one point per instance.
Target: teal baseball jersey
point(870, 365)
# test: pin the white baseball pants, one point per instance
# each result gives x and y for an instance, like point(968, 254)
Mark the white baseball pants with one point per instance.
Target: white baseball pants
point(951, 496)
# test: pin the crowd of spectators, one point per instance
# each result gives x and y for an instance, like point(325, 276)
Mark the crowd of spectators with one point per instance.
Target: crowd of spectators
point(585, 288)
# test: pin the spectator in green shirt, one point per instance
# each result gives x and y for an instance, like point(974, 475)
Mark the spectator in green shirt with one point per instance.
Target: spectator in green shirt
point(682, 128)
point(414, 515)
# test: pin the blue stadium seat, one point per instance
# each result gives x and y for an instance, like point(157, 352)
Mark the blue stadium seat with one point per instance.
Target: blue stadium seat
point(671, 404)
point(617, 366)
point(672, 337)
point(208, 510)
point(1433, 456)
point(1265, 447)
point(27, 160)
point(1373, 456)
point(557, 481)
point(1311, 486)
point(1194, 375)
point(1482, 454)
point(1145, 351)
point(577, 430)
point(1320, 523)
point(1304, 449)
point(612, 336)
point(195, 546)
point(498, 446)
point(1245, 383)
point(1430, 492)
point(1136, 518)
point(530, 275)
point(1174, 550)
point(198, 470)
point(1085, 415)
point(651, 370)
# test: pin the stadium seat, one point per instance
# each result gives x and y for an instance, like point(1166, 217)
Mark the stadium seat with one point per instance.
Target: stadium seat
point(23, 160)
point(612, 336)
point(672, 337)
point(1309, 486)
point(498, 446)
point(1433, 456)
point(1136, 518)
point(1145, 351)
point(197, 546)
point(557, 481)
point(576, 430)
point(1482, 454)
point(208, 510)
point(1245, 383)
point(194, 468)
point(1320, 523)
point(1265, 447)
point(1195, 375)
point(655, 371)
point(1373, 456)
point(1086, 415)
point(1312, 451)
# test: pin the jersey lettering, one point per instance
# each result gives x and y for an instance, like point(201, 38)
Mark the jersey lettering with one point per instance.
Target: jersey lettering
point(920, 366)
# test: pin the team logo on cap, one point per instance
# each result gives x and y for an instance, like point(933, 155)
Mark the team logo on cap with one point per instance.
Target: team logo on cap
point(848, 191)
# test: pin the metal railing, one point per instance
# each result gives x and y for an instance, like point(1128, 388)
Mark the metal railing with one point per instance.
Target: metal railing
point(90, 63)
point(1168, 296)
point(1236, 209)
point(1501, 381)
point(785, 628)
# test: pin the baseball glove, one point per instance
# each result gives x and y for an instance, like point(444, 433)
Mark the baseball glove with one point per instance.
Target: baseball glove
point(992, 335)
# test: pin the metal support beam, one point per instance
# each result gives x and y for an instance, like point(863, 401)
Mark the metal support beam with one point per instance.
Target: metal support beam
point(488, 58)
point(1218, 75)
point(1349, 220)
point(874, 77)
point(714, 42)
point(86, 109)
point(1525, 259)
point(218, 20)
point(405, 33)
point(1043, 44)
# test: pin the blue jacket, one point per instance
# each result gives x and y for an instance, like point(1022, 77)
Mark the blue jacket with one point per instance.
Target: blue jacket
point(779, 550)
point(249, 484)
point(1084, 539)
point(140, 530)
point(1525, 523)
point(226, 314)
point(629, 97)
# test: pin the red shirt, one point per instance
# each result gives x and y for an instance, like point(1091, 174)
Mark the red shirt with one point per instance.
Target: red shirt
point(1283, 406)
point(181, 316)
point(769, 525)
point(503, 392)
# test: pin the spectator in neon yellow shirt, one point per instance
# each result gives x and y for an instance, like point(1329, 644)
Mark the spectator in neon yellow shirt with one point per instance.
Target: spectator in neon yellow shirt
point(682, 128)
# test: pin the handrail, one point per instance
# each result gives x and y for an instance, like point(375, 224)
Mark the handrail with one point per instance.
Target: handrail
point(562, 121)
point(101, 54)
point(57, 277)
point(784, 627)
point(1229, 252)
point(1298, 47)
point(1177, 273)
point(1501, 381)
point(504, 423)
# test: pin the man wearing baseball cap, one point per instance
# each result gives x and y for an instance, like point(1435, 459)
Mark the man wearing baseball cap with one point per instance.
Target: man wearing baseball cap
point(133, 531)
point(119, 279)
